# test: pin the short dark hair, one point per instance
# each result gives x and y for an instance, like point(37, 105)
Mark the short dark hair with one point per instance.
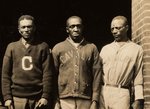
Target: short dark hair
point(28, 17)
point(121, 17)
point(72, 17)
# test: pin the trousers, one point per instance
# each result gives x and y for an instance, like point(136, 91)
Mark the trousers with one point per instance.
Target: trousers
point(74, 103)
point(24, 103)
point(114, 98)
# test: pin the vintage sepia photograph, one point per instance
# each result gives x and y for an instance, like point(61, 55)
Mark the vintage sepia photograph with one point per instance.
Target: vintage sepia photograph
point(75, 54)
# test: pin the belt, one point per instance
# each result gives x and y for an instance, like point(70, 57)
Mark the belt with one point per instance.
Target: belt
point(117, 86)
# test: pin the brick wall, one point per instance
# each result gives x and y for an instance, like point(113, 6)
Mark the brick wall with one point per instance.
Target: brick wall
point(141, 35)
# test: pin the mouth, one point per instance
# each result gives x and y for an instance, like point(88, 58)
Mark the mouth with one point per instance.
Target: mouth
point(76, 34)
point(27, 33)
point(116, 37)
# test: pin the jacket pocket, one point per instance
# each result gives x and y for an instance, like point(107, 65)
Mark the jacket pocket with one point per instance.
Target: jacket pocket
point(85, 88)
point(63, 89)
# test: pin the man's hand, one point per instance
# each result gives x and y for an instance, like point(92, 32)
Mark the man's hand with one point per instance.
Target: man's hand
point(137, 105)
point(42, 102)
point(9, 104)
point(0, 103)
point(57, 105)
point(93, 105)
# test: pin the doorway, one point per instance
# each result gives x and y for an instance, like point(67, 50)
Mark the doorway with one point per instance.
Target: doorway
point(51, 17)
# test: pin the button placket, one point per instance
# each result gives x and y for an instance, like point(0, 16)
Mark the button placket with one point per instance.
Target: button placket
point(76, 71)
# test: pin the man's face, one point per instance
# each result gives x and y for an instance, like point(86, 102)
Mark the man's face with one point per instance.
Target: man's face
point(119, 29)
point(74, 28)
point(26, 28)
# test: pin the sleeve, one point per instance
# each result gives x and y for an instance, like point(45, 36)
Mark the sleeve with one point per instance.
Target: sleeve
point(96, 75)
point(138, 80)
point(55, 58)
point(55, 55)
point(7, 73)
point(47, 73)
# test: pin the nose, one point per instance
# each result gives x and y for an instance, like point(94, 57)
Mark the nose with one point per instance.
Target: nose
point(114, 31)
point(26, 28)
point(76, 28)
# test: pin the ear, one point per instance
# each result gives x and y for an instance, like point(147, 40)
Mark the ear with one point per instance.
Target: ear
point(19, 30)
point(67, 30)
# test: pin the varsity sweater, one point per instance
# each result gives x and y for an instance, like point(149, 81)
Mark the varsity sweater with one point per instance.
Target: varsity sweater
point(78, 70)
point(26, 72)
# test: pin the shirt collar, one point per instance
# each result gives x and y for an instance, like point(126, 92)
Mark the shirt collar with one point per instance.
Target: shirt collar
point(75, 44)
point(116, 43)
point(24, 42)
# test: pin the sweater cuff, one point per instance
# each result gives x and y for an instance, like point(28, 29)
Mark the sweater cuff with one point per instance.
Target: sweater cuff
point(7, 97)
point(45, 95)
point(139, 92)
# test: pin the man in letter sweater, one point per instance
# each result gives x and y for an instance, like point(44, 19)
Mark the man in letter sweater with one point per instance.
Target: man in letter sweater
point(26, 71)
